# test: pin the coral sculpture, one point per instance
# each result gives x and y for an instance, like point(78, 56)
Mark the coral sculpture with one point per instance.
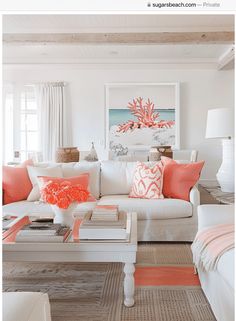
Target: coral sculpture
point(146, 117)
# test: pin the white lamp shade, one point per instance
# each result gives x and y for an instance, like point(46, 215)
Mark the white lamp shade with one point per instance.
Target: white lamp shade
point(220, 123)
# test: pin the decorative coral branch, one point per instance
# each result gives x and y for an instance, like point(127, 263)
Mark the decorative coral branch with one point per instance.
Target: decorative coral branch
point(164, 124)
point(126, 126)
point(145, 115)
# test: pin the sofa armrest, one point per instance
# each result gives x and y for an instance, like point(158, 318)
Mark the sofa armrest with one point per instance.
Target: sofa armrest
point(212, 214)
point(194, 196)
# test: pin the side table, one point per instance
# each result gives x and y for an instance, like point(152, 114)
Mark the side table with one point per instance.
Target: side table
point(212, 194)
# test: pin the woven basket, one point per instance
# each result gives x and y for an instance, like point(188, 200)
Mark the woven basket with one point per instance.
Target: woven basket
point(67, 155)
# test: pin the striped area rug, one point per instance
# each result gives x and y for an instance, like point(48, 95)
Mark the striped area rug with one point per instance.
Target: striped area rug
point(165, 264)
point(166, 288)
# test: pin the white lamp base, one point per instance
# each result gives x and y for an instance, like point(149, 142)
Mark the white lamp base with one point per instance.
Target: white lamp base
point(225, 175)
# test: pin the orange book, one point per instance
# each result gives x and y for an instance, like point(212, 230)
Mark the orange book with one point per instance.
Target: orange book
point(75, 230)
point(10, 234)
point(66, 236)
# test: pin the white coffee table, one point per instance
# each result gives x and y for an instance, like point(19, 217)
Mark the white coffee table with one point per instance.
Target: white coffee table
point(124, 252)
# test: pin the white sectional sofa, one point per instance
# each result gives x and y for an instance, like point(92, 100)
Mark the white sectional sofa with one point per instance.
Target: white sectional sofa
point(110, 183)
point(218, 285)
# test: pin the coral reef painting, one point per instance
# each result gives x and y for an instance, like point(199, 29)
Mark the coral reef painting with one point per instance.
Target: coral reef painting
point(140, 115)
point(140, 124)
point(145, 115)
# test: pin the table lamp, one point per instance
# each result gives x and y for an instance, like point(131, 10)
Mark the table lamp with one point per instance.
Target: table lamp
point(220, 124)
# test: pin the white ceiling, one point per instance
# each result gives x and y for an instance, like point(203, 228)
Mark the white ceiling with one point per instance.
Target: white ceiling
point(98, 53)
point(115, 22)
point(207, 53)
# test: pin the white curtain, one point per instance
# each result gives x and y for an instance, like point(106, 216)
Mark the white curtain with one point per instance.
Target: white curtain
point(53, 118)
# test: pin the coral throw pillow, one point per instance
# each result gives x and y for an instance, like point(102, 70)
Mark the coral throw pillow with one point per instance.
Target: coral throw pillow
point(82, 180)
point(178, 179)
point(16, 183)
point(147, 181)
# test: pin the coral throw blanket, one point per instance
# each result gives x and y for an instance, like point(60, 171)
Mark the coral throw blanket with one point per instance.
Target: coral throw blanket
point(210, 244)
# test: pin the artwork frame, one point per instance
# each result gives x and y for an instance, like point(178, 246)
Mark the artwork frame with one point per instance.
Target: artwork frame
point(117, 94)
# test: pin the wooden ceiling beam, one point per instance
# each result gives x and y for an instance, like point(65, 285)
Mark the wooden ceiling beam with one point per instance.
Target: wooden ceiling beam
point(150, 38)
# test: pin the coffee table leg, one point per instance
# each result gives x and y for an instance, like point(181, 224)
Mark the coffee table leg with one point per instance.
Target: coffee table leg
point(129, 284)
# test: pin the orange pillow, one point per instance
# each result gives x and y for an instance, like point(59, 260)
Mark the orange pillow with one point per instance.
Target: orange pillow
point(178, 179)
point(82, 180)
point(16, 183)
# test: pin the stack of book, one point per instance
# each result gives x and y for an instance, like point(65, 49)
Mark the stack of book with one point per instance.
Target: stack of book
point(42, 232)
point(104, 230)
point(105, 213)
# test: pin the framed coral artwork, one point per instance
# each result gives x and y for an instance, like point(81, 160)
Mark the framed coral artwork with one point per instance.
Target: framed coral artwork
point(141, 115)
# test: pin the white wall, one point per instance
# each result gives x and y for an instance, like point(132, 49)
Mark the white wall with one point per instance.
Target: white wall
point(200, 90)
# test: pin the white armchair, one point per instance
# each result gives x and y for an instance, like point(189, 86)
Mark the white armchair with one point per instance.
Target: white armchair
point(25, 306)
point(218, 285)
point(212, 214)
point(186, 155)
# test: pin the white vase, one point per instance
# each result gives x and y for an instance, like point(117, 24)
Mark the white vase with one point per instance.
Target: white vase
point(64, 216)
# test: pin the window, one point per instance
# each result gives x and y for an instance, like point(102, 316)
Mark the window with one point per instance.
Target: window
point(8, 126)
point(28, 123)
point(21, 131)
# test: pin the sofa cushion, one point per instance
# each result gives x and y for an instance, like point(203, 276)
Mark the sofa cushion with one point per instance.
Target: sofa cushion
point(116, 177)
point(76, 169)
point(39, 208)
point(148, 209)
point(34, 172)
